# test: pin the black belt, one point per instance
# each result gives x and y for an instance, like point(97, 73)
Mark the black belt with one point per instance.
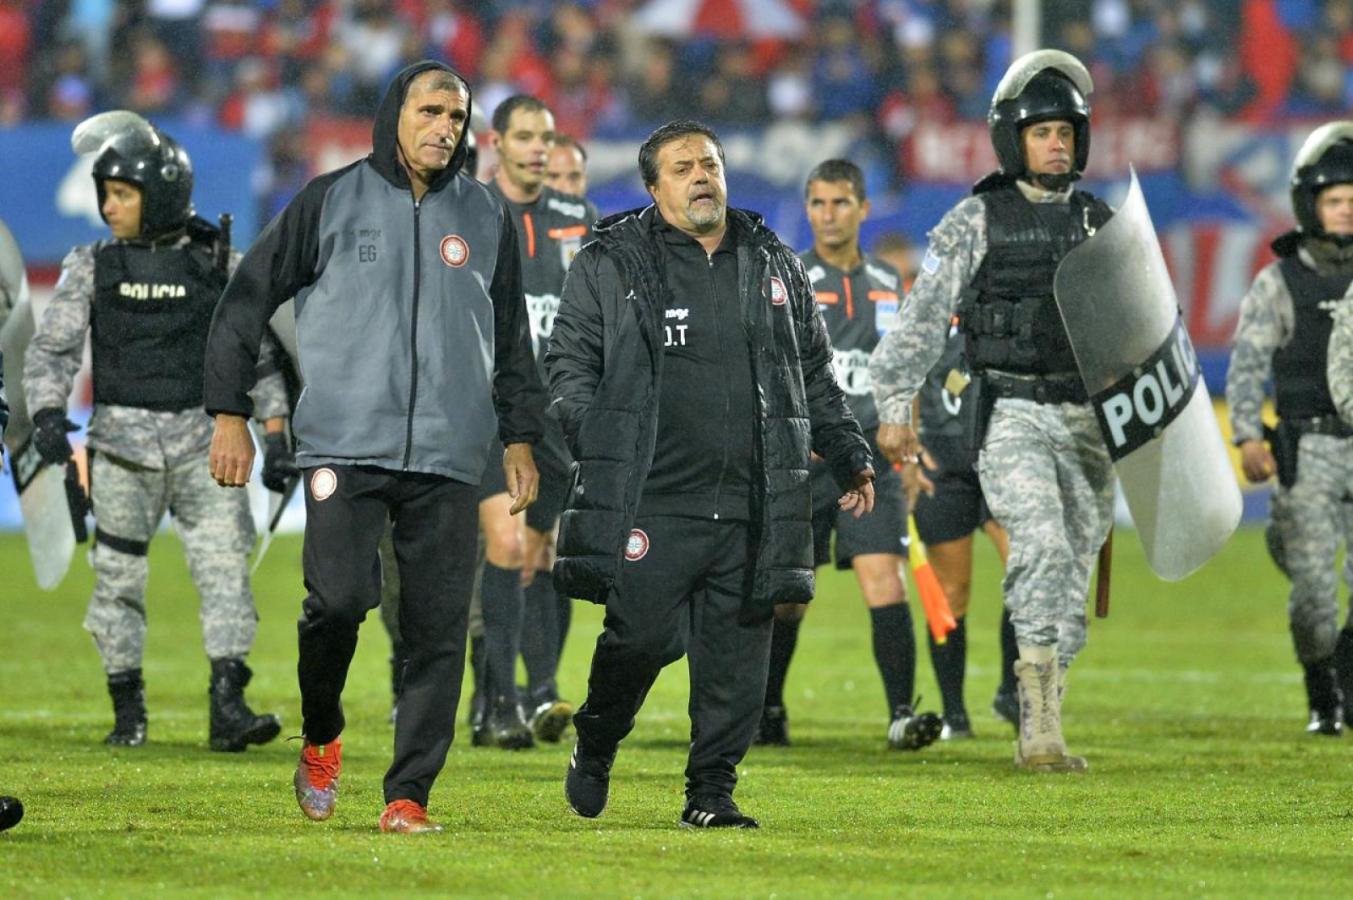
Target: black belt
point(1327, 425)
point(1038, 388)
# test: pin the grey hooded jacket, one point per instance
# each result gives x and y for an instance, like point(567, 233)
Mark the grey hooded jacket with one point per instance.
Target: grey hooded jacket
point(411, 327)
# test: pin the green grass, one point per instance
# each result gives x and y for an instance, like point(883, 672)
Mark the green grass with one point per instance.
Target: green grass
point(1187, 703)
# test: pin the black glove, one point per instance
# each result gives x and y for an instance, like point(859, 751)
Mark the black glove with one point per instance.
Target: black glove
point(49, 435)
point(279, 463)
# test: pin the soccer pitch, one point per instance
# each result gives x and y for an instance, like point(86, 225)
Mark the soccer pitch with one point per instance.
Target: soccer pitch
point(1187, 703)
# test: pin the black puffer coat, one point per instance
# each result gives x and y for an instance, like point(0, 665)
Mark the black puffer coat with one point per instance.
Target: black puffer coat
point(605, 365)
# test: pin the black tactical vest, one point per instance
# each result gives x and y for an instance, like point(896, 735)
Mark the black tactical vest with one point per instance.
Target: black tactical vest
point(148, 324)
point(1299, 371)
point(1010, 319)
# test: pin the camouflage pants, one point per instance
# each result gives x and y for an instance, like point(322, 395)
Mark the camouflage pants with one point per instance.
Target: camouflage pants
point(217, 533)
point(1311, 517)
point(1047, 478)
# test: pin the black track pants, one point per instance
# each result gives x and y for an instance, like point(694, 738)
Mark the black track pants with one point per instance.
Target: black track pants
point(435, 524)
point(679, 592)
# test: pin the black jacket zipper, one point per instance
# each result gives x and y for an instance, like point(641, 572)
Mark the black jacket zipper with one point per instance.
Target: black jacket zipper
point(413, 335)
point(727, 391)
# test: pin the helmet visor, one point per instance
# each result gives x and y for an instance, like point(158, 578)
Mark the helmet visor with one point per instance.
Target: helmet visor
point(1320, 141)
point(122, 130)
point(1023, 70)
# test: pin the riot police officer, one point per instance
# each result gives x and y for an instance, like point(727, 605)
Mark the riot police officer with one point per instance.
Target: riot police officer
point(146, 299)
point(1042, 463)
point(1283, 332)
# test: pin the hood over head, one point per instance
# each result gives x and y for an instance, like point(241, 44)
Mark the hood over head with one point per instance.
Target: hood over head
point(385, 131)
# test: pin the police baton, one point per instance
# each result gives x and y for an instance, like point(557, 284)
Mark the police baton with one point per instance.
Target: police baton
point(1102, 579)
point(223, 243)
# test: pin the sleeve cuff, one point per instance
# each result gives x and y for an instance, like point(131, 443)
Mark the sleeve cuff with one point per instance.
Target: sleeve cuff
point(895, 411)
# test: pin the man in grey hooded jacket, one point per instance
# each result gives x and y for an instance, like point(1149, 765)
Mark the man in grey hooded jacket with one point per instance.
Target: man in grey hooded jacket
point(414, 345)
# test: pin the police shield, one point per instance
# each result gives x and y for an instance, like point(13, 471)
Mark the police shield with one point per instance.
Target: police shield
point(53, 508)
point(1143, 378)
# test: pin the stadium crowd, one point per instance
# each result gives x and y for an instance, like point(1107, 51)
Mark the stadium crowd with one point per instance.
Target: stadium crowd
point(621, 66)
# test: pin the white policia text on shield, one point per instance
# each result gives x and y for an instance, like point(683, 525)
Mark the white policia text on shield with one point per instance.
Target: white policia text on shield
point(1141, 372)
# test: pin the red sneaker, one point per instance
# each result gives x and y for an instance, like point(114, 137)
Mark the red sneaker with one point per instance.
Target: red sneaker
point(407, 817)
point(316, 779)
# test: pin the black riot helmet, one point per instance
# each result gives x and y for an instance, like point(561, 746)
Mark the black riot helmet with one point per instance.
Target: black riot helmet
point(1324, 160)
point(1042, 86)
point(131, 149)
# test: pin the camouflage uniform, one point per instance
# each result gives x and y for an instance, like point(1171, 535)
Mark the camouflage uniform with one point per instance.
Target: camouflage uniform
point(144, 462)
point(1310, 515)
point(1340, 362)
point(1044, 468)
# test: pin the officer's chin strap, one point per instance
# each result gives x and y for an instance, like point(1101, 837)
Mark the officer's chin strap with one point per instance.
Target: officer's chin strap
point(163, 239)
point(1332, 253)
point(1053, 181)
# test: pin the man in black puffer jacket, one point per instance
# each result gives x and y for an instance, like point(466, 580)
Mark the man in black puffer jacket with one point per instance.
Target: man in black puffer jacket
point(692, 373)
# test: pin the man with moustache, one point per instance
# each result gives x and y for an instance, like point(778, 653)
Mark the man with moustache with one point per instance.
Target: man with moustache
point(692, 374)
point(521, 611)
point(412, 334)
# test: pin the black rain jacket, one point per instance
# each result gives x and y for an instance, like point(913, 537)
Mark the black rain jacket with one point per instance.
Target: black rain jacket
point(605, 365)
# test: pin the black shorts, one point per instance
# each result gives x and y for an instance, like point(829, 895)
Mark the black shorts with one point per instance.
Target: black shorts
point(555, 477)
point(958, 506)
point(882, 531)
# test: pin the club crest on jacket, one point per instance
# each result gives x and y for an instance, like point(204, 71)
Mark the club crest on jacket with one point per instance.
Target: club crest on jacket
point(454, 251)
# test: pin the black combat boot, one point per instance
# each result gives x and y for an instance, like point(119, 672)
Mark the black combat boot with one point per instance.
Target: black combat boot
point(233, 724)
point(1343, 669)
point(129, 709)
point(1324, 699)
point(507, 725)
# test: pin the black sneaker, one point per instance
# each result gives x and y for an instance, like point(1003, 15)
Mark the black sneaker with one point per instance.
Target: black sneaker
point(588, 782)
point(551, 719)
point(911, 730)
point(714, 811)
point(956, 727)
point(1006, 705)
point(11, 812)
point(774, 728)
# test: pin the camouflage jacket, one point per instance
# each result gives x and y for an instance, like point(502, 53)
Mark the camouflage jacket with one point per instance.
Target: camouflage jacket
point(1340, 361)
point(904, 356)
point(1267, 322)
point(149, 438)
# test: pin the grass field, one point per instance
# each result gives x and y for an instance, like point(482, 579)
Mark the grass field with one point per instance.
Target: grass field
point(1187, 703)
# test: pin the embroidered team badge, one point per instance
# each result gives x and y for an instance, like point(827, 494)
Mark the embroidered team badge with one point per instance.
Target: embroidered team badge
point(636, 546)
point(323, 484)
point(455, 251)
point(778, 294)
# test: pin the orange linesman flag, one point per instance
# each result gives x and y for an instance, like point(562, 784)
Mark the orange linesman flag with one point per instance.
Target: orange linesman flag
point(938, 615)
